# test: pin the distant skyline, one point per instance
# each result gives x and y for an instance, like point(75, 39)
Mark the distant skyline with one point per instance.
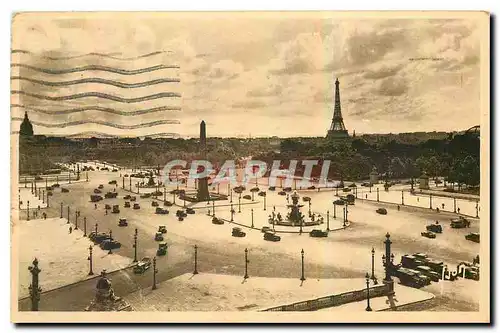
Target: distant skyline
point(260, 74)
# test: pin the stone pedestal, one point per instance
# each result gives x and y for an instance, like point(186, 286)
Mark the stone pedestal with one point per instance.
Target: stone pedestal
point(424, 182)
point(374, 176)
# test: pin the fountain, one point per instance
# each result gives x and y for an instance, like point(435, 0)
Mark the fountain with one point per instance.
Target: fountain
point(294, 217)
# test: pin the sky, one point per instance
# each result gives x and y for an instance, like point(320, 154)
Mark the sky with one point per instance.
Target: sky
point(252, 74)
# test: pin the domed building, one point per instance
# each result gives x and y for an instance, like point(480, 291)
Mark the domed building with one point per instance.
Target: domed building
point(26, 128)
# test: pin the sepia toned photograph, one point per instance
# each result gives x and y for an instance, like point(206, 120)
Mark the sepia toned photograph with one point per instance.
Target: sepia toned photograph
point(320, 167)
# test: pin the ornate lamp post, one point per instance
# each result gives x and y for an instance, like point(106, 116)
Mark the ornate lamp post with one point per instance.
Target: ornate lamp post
point(130, 184)
point(373, 266)
point(68, 216)
point(252, 216)
point(232, 213)
point(334, 211)
point(377, 195)
point(402, 198)
point(135, 245)
point(195, 259)
point(327, 220)
point(454, 205)
point(343, 214)
point(213, 208)
point(430, 201)
point(218, 188)
point(61, 209)
point(265, 195)
point(346, 212)
point(239, 203)
point(368, 308)
point(90, 260)
point(246, 264)
point(43, 196)
point(302, 277)
point(76, 220)
point(309, 207)
point(154, 273)
point(34, 287)
point(387, 264)
point(28, 210)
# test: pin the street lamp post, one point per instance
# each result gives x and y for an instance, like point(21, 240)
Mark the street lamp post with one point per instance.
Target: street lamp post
point(402, 198)
point(76, 220)
point(61, 209)
point(84, 226)
point(477, 208)
point(154, 273)
point(135, 245)
point(232, 212)
point(265, 195)
point(110, 238)
point(96, 229)
point(309, 207)
point(343, 214)
point(302, 277)
point(130, 184)
point(252, 216)
point(195, 259)
point(43, 196)
point(430, 201)
point(246, 264)
point(373, 264)
point(213, 208)
point(368, 308)
point(327, 220)
point(239, 203)
point(454, 205)
point(90, 260)
point(377, 195)
point(34, 287)
point(68, 216)
point(334, 211)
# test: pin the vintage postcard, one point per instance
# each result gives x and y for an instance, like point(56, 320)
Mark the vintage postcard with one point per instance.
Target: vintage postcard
point(250, 167)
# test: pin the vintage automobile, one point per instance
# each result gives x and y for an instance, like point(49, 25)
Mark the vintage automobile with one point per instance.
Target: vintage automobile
point(266, 229)
point(114, 170)
point(142, 265)
point(350, 199)
point(366, 184)
point(346, 189)
point(318, 233)
point(167, 203)
point(127, 197)
point(112, 182)
point(125, 175)
point(56, 185)
point(216, 220)
point(411, 278)
point(382, 211)
point(109, 244)
point(162, 249)
point(162, 229)
point(272, 188)
point(247, 197)
point(190, 210)
point(99, 237)
point(312, 187)
point(180, 213)
point(471, 271)
point(64, 190)
point(339, 202)
point(49, 193)
point(95, 198)
point(97, 191)
point(127, 204)
point(100, 186)
point(287, 189)
point(459, 223)
point(154, 204)
point(269, 236)
point(180, 218)
point(237, 232)
point(106, 206)
point(353, 185)
point(116, 209)
point(111, 195)
point(262, 194)
point(105, 169)
point(158, 236)
point(133, 198)
point(281, 193)
point(161, 211)
point(473, 237)
point(122, 222)
point(428, 234)
point(435, 227)
point(145, 195)
point(136, 206)
point(306, 199)
point(427, 271)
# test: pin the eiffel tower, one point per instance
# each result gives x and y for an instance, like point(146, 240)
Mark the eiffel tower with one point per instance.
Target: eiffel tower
point(337, 128)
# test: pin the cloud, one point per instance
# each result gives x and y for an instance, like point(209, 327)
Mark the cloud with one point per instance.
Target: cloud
point(273, 90)
point(382, 72)
point(249, 104)
point(393, 87)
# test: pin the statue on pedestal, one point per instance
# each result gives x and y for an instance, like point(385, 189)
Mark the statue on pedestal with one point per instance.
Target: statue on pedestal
point(105, 298)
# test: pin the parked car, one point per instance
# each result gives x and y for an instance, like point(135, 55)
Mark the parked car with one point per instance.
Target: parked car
point(318, 233)
point(269, 236)
point(64, 190)
point(99, 237)
point(339, 202)
point(112, 182)
point(266, 229)
point(180, 218)
point(100, 186)
point(436, 227)
point(190, 210)
point(111, 195)
point(116, 209)
point(409, 278)
point(162, 249)
point(473, 237)
point(272, 188)
point(145, 195)
point(162, 229)
point(143, 265)
point(106, 206)
point(167, 203)
point(247, 197)
point(127, 197)
point(133, 198)
point(281, 193)
point(262, 194)
point(110, 244)
point(346, 189)
point(428, 234)
point(136, 206)
point(160, 210)
point(312, 187)
point(127, 204)
point(154, 204)
point(427, 271)
point(459, 223)
point(216, 220)
point(97, 191)
point(122, 222)
point(237, 232)
point(95, 198)
point(306, 199)
point(382, 211)
point(158, 236)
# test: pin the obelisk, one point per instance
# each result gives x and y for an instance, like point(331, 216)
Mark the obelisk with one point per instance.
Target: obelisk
point(203, 194)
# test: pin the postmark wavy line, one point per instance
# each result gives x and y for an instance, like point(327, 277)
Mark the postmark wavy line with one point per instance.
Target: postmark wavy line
point(100, 122)
point(98, 95)
point(97, 108)
point(94, 54)
point(97, 80)
point(101, 68)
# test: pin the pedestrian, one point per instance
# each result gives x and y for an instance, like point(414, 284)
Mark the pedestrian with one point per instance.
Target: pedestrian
point(458, 209)
point(95, 206)
point(44, 216)
point(70, 229)
point(366, 196)
point(418, 199)
point(106, 211)
point(399, 208)
point(442, 205)
point(38, 207)
point(437, 209)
